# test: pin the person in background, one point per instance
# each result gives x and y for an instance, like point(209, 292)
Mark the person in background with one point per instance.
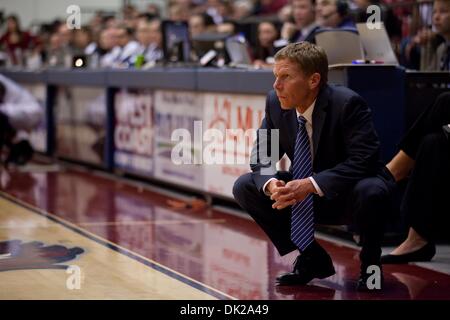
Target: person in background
point(108, 49)
point(334, 14)
point(267, 35)
point(149, 36)
point(429, 50)
point(82, 38)
point(15, 41)
point(55, 51)
point(242, 9)
point(227, 27)
point(201, 23)
point(20, 113)
point(304, 25)
point(424, 158)
point(268, 7)
point(178, 12)
point(128, 46)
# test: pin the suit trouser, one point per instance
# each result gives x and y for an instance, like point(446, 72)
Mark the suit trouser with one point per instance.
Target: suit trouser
point(426, 198)
point(368, 204)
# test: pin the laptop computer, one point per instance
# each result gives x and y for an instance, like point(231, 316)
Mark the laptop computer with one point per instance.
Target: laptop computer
point(376, 44)
point(237, 49)
point(342, 46)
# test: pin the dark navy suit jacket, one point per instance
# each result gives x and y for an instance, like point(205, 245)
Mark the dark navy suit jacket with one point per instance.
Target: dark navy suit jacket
point(346, 146)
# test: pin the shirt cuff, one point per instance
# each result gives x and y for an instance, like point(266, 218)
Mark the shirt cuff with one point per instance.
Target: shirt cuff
point(316, 186)
point(266, 192)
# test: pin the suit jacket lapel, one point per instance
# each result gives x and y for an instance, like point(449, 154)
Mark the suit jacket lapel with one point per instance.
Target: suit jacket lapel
point(290, 119)
point(319, 117)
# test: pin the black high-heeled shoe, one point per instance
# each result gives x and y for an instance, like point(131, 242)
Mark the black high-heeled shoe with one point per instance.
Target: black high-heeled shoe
point(426, 253)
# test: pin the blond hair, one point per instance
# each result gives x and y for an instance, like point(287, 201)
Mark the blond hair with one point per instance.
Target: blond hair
point(309, 57)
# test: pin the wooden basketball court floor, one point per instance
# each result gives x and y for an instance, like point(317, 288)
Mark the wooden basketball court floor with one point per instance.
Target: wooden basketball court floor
point(77, 234)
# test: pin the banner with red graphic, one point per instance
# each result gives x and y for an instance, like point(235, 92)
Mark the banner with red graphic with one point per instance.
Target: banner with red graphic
point(230, 122)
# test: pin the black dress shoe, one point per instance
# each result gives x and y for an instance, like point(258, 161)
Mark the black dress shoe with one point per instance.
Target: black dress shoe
point(426, 253)
point(368, 282)
point(313, 263)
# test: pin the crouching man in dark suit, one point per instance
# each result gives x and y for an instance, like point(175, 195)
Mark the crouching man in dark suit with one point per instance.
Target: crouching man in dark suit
point(336, 174)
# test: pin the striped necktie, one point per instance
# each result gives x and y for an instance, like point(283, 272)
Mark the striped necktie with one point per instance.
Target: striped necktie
point(302, 219)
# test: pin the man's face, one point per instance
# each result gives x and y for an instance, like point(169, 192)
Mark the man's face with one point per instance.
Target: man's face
point(327, 14)
point(441, 17)
point(267, 34)
point(303, 12)
point(155, 32)
point(196, 25)
point(122, 37)
point(291, 85)
point(143, 33)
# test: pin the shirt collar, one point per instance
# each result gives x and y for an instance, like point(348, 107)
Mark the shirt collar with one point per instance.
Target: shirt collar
point(308, 113)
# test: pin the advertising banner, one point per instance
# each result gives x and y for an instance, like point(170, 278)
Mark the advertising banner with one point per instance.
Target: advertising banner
point(177, 113)
point(81, 124)
point(38, 137)
point(134, 131)
point(230, 124)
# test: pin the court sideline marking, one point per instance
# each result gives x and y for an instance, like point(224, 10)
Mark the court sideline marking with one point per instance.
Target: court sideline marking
point(148, 262)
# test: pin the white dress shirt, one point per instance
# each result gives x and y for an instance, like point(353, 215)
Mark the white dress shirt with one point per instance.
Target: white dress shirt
point(309, 129)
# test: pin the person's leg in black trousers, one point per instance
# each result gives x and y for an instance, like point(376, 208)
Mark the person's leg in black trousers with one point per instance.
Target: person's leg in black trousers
point(427, 193)
point(424, 154)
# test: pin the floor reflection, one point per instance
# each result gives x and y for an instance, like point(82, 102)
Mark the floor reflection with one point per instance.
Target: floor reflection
point(223, 251)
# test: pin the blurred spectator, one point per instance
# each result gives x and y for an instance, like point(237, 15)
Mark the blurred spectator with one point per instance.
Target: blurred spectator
point(15, 41)
point(268, 7)
point(145, 17)
point(242, 9)
point(20, 113)
point(130, 15)
point(149, 36)
point(154, 10)
point(219, 10)
point(108, 48)
point(96, 23)
point(267, 34)
point(55, 51)
point(201, 23)
point(82, 38)
point(227, 27)
point(178, 12)
point(129, 47)
point(21, 108)
point(66, 35)
point(304, 25)
point(285, 14)
point(429, 50)
point(129, 12)
point(334, 14)
point(109, 21)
